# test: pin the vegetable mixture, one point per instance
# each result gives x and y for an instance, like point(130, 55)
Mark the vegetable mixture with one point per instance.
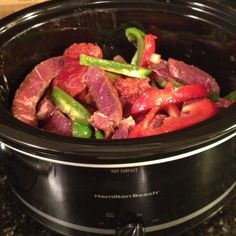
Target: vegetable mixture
point(83, 95)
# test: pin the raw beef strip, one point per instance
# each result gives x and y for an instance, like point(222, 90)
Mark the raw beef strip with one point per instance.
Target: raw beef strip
point(130, 89)
point(223, 103)
point(70, 78)
point(73, 52)
point(123, 129)
point(52, 119)
point(59, 124)
point(45, 110)
point(33, 87)
point(106, 98)
point(189, 74)
point(160, 70)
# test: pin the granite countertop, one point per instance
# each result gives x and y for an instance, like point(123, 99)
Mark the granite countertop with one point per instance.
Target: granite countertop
point(15, 222)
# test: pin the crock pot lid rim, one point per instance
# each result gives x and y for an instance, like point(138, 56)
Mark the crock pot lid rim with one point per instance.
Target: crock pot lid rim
point(128, 163)
point(209, 6)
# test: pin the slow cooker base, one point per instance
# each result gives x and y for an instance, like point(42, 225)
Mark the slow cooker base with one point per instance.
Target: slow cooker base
point(70, 229)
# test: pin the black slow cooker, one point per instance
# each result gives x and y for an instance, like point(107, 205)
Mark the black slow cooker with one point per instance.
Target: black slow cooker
point(159, 185)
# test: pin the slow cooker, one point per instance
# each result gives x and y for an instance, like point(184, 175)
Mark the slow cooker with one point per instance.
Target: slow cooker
point(159, 185)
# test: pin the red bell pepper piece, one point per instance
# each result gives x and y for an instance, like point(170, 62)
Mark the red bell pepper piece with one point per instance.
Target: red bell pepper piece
point(191, 114)
point(149, 49)
point(172, 110)
point(145, 44)
point(161, 97)
point(144, 124)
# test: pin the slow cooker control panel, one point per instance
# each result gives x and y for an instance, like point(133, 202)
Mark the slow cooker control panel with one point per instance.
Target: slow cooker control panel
point(132, 229)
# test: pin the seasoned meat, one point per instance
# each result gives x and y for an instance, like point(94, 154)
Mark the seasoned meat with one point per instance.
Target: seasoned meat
point(80, 94)
point(52, 119)
point(224, 103)
point(73, 52)
point(160, 70)
point(106, 98)
point(130, 89)
point(102, 122)
point(45, 110)
point(58, 123)
point(124, 128)
point(189, 74)
point(32, 89)
point(70, 78)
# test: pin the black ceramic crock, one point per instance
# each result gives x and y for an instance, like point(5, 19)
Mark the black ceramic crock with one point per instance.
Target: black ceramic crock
point(160, 185)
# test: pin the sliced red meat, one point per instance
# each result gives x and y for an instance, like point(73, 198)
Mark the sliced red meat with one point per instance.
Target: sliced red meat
point(52, 119)
point(106, 98)
point(59, 124)
point(160, 70)
point(124, 128)
point(130, 89)
point(72, 53)
point(189, 74)
point(70, 78)
point(223, 103)
point(45, 110)
point(120, 59)
point(102, 122)
point(85, 97)
point(32, 89)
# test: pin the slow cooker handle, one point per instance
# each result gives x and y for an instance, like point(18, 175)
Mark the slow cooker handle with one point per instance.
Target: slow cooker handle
point(132, 229)
point(38, 166)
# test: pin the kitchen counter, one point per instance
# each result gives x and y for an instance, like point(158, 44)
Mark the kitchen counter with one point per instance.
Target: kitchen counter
point(15, 222)
point(9, 6)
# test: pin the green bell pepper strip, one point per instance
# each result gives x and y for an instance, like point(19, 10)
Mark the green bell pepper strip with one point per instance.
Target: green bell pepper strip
point(231, 96)
point(164, 82)
point(80, 130)
point(136, 36)
point(99, 134)
point(115, 67)
point(77, 113)
point(69, 106)
point(176, 84)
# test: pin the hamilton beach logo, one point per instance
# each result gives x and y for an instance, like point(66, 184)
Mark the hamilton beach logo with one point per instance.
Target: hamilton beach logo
point(126, 196)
